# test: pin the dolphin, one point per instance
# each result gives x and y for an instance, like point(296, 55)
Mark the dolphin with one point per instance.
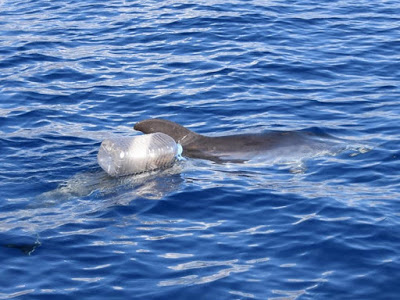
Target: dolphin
point(275, 146)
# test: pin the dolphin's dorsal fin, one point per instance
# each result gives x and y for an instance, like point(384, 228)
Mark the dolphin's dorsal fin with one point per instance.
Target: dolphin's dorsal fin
point(179, 133)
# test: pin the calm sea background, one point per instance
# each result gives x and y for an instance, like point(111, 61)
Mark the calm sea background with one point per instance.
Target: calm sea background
point(73, 73)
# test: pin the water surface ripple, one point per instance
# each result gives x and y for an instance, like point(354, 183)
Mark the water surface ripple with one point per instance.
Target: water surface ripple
point(73, 73)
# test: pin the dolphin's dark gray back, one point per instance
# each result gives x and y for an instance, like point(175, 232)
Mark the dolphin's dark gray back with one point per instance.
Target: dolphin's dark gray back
point(179, 133)
point(239, 148)
point(193, 144)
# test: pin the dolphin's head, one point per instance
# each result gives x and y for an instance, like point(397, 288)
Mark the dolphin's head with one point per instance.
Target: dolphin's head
point(176, 131)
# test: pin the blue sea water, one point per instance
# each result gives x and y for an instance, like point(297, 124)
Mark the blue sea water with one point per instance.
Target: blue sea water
point(73, 73)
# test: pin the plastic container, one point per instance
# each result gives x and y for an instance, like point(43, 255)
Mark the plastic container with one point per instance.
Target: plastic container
point(132, 155)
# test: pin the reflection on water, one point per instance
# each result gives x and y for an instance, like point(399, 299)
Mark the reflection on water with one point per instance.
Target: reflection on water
point(77, 199)
point(232, 267)
point(150, 185)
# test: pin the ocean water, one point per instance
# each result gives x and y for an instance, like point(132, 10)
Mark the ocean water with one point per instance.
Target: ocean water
point(73, 73)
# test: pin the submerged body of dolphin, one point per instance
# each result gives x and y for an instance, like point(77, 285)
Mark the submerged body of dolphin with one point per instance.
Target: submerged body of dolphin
point(275, 146)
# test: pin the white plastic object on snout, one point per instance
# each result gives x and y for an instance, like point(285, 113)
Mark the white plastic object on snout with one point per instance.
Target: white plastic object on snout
point(121, 156)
